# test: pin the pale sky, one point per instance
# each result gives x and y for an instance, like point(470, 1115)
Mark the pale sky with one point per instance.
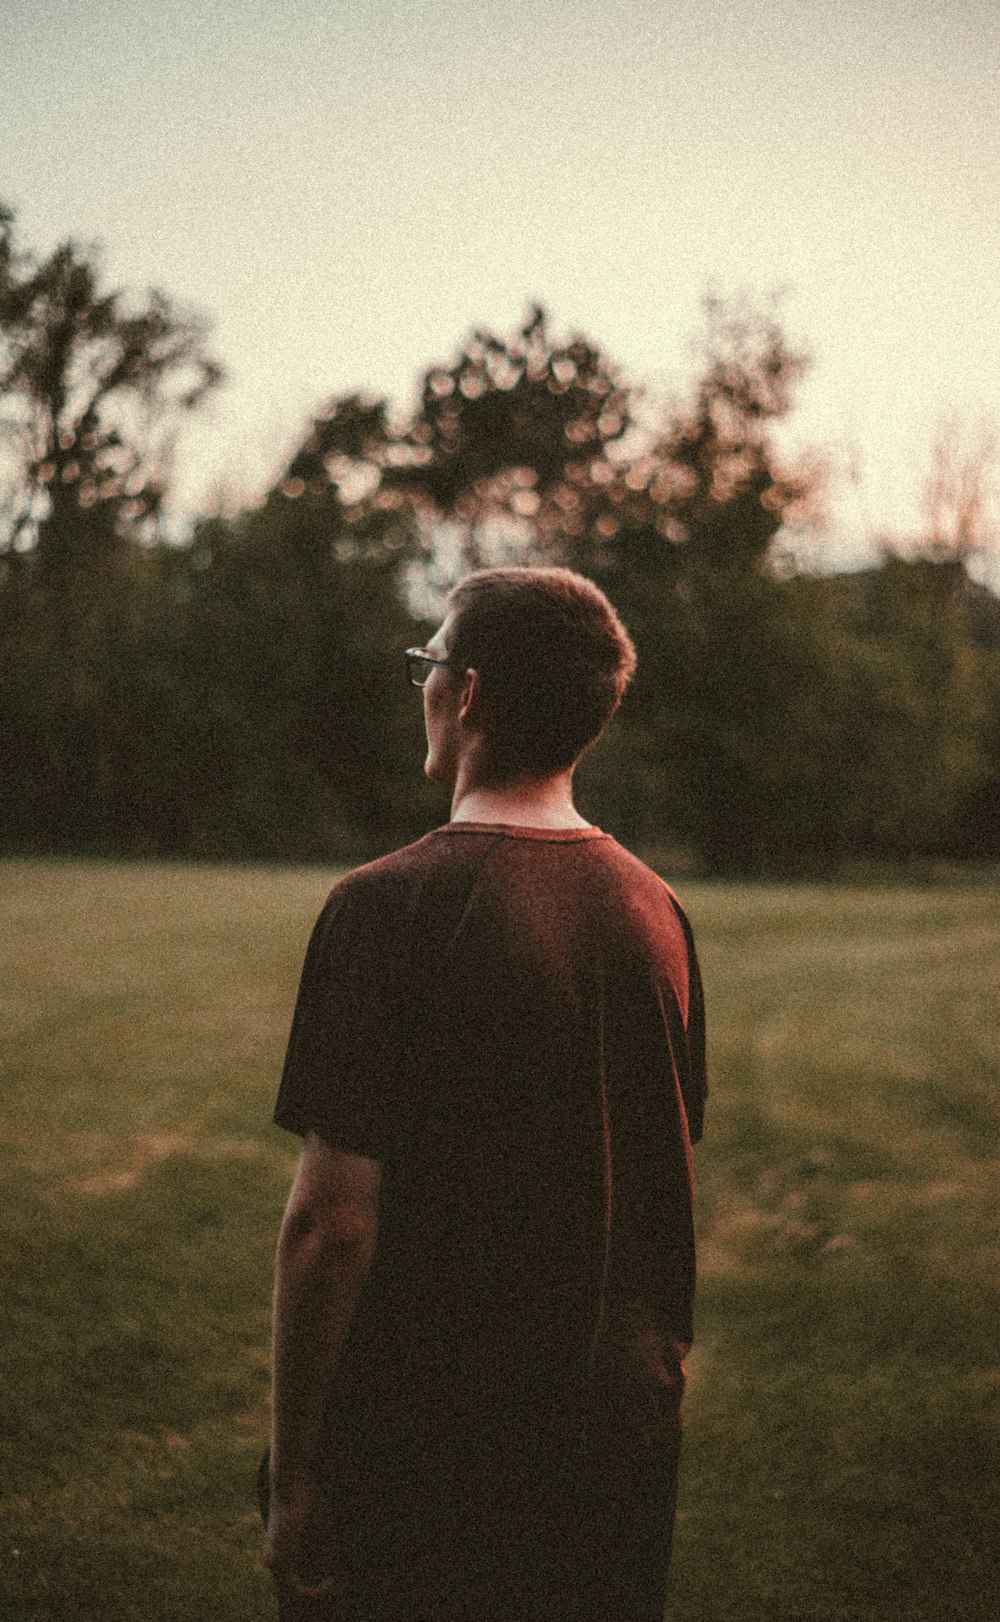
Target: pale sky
point(345, 189)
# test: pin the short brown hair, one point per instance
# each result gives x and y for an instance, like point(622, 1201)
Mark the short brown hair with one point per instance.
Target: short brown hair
point(553, 657)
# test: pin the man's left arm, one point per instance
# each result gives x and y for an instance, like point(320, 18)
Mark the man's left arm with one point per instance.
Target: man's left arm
point(325, 1250)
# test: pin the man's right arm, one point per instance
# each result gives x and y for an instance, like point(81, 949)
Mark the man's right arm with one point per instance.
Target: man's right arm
point(325, 1250)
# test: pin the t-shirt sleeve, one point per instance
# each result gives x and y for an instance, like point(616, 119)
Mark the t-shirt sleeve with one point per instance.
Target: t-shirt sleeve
point(694, 1079)
point(347, 1064)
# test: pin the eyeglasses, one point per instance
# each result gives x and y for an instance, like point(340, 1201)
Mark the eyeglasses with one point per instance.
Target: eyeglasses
point(419, 665)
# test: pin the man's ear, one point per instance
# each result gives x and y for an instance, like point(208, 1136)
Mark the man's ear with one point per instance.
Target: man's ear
point(472, 705)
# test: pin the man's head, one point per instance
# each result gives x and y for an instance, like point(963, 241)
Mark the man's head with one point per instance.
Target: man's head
point(552, 660)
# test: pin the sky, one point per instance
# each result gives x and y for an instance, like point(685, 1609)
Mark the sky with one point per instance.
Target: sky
point(346, 187)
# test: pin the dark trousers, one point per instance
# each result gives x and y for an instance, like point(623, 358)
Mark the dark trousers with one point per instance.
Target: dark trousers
point(601, 1555)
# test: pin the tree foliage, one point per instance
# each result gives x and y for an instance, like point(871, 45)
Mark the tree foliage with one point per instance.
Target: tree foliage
point(243, 695)
point(518, 429)
point(92, 390)
point(960, 493)
point(301, 728)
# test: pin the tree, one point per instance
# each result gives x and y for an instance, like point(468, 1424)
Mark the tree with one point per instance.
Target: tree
point(927, 702)
point(929, 635)
point(725, 655)
point(509, 446)
point(299, 728)
point(93, 388)
point(93, 391)
point(960, 493)
point(536, 448)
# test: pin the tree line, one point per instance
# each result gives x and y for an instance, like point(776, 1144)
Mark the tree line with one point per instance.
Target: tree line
point(241, 695)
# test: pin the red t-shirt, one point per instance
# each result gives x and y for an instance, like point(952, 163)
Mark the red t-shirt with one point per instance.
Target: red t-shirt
point(511, 1021)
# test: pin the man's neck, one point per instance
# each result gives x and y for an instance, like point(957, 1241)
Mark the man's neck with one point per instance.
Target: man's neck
point(545, 802)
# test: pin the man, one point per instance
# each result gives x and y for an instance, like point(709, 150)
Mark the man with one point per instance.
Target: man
point(485, 1271)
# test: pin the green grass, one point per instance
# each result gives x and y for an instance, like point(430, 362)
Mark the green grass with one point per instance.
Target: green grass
point(841, 1448)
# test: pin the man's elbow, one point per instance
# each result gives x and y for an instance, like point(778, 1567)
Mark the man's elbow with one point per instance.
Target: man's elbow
point(339, 1238)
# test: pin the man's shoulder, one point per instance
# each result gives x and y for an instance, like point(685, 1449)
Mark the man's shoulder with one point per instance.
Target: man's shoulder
point(633, 872)
point(638, 894)
point(388, 880)
point(376, 881)
point(385, 869)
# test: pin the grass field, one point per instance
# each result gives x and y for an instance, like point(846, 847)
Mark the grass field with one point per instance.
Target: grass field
point(841, 1456)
